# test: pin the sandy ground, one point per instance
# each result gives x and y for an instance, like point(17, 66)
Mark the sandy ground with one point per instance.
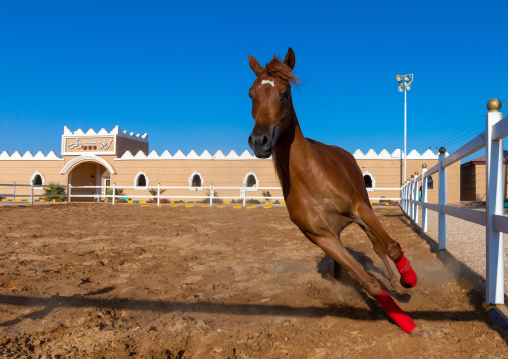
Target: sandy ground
point(95, 280)
point(466, 241)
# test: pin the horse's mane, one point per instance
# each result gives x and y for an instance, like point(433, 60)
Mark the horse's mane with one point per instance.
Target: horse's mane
point(279, 69)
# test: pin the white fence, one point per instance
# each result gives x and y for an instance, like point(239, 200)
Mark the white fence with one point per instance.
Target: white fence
point(383, 198)
point(99, 192)
point(493, 219)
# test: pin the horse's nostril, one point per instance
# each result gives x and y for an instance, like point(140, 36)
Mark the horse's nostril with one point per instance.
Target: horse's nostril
point(265, 140)
point(250, 140)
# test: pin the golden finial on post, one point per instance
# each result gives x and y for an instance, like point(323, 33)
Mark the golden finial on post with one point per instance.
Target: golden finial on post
point(416, 173)
point(494, 105)
point(424, 165)
point(442, 150)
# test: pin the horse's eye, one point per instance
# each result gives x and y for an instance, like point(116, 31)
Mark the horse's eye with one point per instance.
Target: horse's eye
point(286, 96)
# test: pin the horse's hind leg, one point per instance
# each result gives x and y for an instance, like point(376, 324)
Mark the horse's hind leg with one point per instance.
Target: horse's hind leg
point(392, 248)
point(334, 248)
point(379, 249)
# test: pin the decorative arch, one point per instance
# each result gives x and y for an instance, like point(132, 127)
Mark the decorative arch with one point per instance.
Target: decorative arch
point(79, 159)
point(37, 177)
point(251, 181)
point(196, 180)
point(370, 181)
point(141, 180)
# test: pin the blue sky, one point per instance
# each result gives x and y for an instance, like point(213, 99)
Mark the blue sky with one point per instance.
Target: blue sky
point(179, 71)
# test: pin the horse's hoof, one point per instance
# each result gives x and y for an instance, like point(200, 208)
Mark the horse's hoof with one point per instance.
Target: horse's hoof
point(420, 333)
point(406, 285)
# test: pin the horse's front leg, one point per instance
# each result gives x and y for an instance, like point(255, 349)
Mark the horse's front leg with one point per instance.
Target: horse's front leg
point(368, 220)
point(334, 248)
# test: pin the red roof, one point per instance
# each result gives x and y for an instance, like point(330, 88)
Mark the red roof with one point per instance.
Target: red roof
point(481, 160)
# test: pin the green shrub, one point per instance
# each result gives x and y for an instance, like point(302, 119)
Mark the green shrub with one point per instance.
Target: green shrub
point(153, 191)
point(53, 190)
point(118, 192)
point(215, 200)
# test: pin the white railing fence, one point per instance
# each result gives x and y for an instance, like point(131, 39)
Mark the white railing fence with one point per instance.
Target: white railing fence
point(100, 192)
point(493, 218)
point(383, 198)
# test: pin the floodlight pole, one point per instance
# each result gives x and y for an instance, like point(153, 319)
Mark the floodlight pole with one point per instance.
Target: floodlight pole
point(405, 83)
point(405, 131)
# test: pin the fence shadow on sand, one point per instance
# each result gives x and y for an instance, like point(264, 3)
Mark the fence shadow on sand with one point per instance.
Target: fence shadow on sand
point(497, 319)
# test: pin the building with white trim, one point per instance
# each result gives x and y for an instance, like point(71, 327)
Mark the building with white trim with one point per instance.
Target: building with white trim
point(103, 158)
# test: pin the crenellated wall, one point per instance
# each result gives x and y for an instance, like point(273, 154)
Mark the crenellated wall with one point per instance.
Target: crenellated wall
point(232, 155)
point(86, 156)
point(218, 169)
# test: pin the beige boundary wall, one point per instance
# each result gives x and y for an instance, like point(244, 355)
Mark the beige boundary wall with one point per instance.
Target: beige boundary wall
point(88, 157)
point(473, 179)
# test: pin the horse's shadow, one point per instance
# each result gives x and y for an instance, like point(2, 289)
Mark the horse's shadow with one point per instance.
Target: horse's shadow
point(51, 304)
point(326, 265)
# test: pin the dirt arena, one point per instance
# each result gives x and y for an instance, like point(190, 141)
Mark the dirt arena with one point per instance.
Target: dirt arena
point(102, 281)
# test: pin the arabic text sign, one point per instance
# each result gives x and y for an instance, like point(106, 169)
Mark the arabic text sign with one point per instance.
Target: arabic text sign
point(102, 144)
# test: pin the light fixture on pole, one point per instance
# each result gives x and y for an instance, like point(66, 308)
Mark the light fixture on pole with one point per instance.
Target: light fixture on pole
point(405, 83)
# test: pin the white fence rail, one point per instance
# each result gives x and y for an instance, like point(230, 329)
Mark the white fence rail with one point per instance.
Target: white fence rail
point(493, 218)
point(98, 192)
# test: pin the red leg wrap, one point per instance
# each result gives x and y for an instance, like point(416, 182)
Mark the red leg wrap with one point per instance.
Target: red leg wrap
point(402, 319)
point(406, 271)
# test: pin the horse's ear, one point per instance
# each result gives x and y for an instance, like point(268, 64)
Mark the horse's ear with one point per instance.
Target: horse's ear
point(254, 65)
point(290, 58)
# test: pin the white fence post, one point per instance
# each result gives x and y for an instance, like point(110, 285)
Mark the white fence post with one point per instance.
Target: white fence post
point(424, 199)
point(113, 200)
point(402, 199)
point(442, 199)
point(495, 202)
point(415, 195)
point(406, 198)
point(406, 195)
point(158, 194)
point(243, 195)
point(406, 186)
point(69, 193)
point(211, 195)
point(411, 196)
point(31, 193)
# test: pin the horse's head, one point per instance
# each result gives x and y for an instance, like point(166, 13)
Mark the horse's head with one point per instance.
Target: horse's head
point(271, 102)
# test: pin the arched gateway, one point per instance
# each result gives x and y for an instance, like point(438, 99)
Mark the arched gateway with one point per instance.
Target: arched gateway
point(89, 159)
point(89, 173)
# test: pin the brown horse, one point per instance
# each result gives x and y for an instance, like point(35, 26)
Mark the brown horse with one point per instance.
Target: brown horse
point(323, 186)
